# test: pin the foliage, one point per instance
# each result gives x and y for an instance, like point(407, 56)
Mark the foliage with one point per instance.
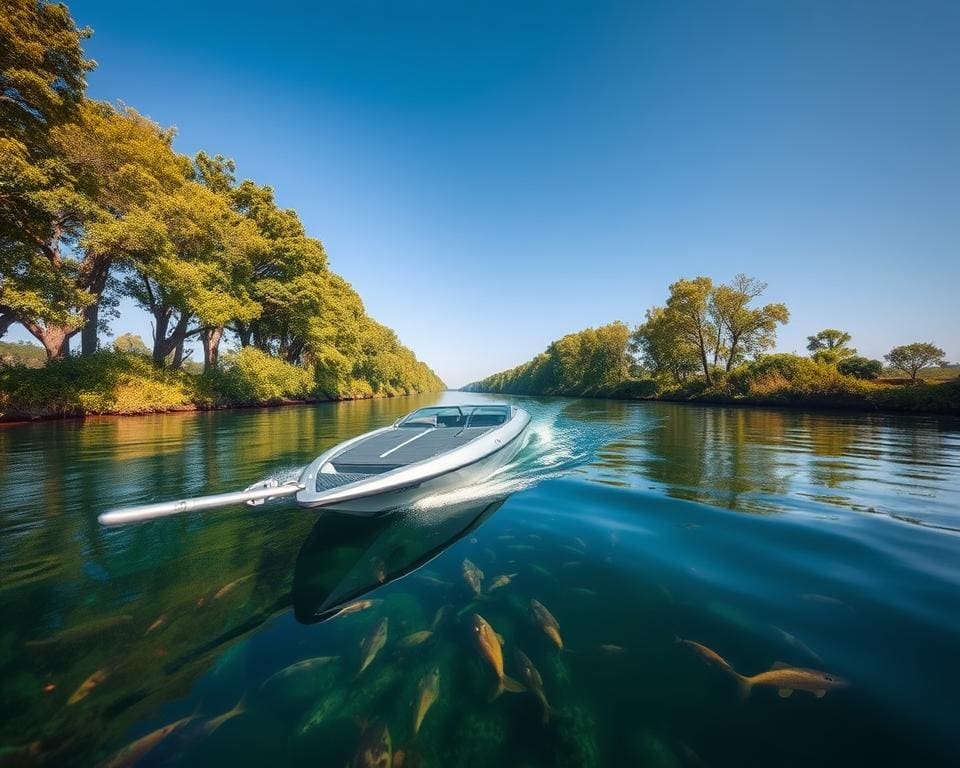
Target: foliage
point(707, 326)
point(22, 353)
point(910, 358)
point(252, 376)
point(594, 362)
point(107, 382)
point(96, 204)
point(131, 342)
point(860, 367)
point(830, 346)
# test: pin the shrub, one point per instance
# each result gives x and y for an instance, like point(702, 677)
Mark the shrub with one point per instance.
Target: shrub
point(860, 367)
point(106, 382)
point(252, 376)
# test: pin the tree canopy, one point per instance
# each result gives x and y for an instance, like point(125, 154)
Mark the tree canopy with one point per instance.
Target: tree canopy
point(911, 358)
point(96, 205)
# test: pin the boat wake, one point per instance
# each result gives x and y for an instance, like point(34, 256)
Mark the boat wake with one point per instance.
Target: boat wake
point(555, 445)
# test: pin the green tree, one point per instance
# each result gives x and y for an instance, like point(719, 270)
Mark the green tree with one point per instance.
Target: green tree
point(56, 266)
point(42, 80)
point(860, 367)
point(741, 330)
point(660, 350)
point(830, 346)
point(131, 342)
point(688, 311)
point(911, 358)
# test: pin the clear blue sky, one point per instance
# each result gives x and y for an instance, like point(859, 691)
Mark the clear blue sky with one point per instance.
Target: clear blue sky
point(490, 176)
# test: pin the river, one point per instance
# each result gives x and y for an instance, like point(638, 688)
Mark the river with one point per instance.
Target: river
point(826, 541)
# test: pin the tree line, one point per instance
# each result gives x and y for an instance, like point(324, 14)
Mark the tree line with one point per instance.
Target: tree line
point(706, 336)
point(96, 205)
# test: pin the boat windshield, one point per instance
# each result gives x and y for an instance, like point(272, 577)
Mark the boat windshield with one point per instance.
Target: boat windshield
point(458, 416)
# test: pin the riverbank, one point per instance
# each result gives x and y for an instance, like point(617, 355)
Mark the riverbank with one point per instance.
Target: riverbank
point(854, 395)
point(129, 384)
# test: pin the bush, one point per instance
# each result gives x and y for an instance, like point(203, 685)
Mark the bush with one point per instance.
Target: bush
point(251, 376)
point(636, 389)
point(106, 382)
point(860, 367)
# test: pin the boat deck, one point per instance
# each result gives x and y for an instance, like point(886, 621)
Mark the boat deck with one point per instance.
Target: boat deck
point(400, 447)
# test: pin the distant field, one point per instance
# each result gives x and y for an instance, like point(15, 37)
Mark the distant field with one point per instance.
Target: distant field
point(927, 374)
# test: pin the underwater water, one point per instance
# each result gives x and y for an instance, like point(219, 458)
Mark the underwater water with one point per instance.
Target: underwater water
point(677, 553)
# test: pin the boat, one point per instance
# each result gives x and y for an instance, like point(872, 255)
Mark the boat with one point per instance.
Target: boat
point(429, 451)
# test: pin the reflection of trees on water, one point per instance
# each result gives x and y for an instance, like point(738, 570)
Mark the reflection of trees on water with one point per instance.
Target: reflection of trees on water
point(751, 459)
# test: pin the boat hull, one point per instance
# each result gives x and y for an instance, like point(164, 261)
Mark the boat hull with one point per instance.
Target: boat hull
point(367, 500)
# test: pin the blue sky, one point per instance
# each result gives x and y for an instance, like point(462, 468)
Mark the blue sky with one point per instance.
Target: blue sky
point(490, 176)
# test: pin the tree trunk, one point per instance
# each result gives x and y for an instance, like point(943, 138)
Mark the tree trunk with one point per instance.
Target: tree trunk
point(162, 317)
point(211, 347)
point(6, 320)
point(177, 361)
point(55, 338)
point(88, 334)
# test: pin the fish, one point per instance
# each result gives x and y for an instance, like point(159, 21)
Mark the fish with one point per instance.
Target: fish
point(427, 693)
point(415, 639)
point(541, 570)
point(709, 655)
point(787, 679)
point(580, 542)
point(611, 649)
point(812, 597)
point(87, 686)
point(431, 579)
point(583, 592)
point(356, 607)
point(796, 643)
point(488, 644)
point(135, 751)
point(375, 749)
point(333, 702)
point(545, 620)
point(372, 644)
point(531, 677)
point(572, 564)
point(521, 547)
point(440, 616)
point(473, 576)
point(501, 581)
point(506, 537)
point(82, 632)
point(157, 624)
point(215, 722)
point(573, 550)
point(301, 666)
point(226, 589)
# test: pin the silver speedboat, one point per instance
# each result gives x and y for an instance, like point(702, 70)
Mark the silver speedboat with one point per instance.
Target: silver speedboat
point(431, 450)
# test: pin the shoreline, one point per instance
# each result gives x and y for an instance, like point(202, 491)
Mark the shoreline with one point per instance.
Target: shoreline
point(16, 419)
point(951, 409)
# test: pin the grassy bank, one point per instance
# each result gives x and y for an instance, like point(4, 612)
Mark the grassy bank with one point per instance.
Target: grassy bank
point(597, 365)
point(129, 383)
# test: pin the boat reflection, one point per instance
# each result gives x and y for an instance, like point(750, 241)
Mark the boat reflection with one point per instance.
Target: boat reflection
point(346, 557)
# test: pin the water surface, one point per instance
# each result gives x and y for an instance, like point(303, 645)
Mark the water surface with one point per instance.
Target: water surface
point(821, 540)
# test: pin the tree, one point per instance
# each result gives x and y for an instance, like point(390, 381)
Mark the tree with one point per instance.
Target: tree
point(742, 330)
point(42, 79)
point(131, 342)
point(688, 312)
point(860, 367)
point(911, 358)
point(660, 350)
point(69, 214)
point(830, 346)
